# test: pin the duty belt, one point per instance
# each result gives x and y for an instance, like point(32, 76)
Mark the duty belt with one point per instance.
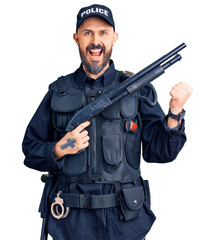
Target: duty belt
point(89, 201)
point(73, 200)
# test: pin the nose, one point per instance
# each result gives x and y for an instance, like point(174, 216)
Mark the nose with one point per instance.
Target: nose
point(96, 39)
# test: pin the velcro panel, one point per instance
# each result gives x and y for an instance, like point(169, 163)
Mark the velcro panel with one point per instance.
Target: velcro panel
point(112, 149)
point(67, 103)
point(129, 106)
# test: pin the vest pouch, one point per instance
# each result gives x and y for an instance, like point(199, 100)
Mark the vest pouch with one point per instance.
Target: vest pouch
point(129, 106)
point(64, 107)
point(131, 202)
point(112, 112)
point(112, 151)
point(129, 110)
point(75, 164)
point(60, 121)
point(133, 148)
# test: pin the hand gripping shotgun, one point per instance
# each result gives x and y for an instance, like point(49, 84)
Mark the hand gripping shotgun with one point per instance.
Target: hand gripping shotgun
point(129, 86)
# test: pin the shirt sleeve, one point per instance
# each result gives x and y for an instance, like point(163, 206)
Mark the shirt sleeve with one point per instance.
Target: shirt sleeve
point(160, 143)
point(38, 141)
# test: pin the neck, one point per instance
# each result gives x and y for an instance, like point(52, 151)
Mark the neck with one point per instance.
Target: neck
point(95, 76)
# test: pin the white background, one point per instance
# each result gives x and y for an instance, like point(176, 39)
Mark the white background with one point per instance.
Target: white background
point(37, 47)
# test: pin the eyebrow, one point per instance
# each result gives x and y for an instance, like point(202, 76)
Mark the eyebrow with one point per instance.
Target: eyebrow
point(88, 30)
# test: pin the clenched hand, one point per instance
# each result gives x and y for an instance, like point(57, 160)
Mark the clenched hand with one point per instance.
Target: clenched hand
point(180, 93)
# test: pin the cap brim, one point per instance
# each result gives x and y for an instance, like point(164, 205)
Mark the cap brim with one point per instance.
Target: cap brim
point(95, 15)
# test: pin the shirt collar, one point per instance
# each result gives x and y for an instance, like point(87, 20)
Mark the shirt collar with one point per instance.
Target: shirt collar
point(106, 78)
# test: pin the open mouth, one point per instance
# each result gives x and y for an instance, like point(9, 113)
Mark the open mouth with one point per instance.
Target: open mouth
point(95, 52)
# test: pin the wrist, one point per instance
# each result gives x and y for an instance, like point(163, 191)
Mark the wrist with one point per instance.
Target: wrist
point(175, 118)
point(179, 116)
point(176, 111)
point(58, 152)
point(173, 124)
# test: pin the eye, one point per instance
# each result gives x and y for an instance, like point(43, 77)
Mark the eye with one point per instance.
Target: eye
point(103, 33)
point(87, 33)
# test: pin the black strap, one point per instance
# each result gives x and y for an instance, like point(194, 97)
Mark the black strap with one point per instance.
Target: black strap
point(63, 83)
point(117, 188)
point(61, 86)
point(145, 184)
point(62, 178)
point(89, 201)
point(72, 187)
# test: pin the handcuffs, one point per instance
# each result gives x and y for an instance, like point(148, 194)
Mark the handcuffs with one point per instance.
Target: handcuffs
point(55, 208)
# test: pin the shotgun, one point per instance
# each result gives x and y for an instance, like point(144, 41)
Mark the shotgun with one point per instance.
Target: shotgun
point(129, 86)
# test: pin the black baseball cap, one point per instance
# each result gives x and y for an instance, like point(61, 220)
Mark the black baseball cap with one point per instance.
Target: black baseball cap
point(95, 10)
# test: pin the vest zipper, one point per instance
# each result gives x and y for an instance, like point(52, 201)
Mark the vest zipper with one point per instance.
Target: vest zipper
point(93, 146)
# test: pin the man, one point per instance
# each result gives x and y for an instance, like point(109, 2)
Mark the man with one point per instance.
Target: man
point(97, 191)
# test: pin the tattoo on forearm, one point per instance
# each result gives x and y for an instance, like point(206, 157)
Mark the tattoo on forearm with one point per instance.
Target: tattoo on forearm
point(70, 143)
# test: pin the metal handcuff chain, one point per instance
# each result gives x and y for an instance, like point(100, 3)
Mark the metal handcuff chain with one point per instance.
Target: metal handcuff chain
point(55, 208)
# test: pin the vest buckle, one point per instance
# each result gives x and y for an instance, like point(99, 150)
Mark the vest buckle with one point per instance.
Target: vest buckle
point(84, 201)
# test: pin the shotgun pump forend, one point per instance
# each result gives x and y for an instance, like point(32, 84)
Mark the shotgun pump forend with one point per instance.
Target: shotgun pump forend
point(129, 86)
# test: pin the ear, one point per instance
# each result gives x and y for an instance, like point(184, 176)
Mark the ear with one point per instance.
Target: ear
point(115, 38)
point(75, 37)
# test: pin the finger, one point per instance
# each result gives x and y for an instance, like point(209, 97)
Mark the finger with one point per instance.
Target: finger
point(180, 90)
point(185, 86)
point(85, 145)
point(83, 141)
point(84, 134)
point(86, 139)
point(179, 86)
point(174, 93)
point(82, 126)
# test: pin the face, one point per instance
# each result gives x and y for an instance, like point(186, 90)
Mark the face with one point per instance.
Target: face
point(95, 38)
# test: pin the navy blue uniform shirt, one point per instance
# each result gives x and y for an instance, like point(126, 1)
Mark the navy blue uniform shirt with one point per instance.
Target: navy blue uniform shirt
point(160, 145)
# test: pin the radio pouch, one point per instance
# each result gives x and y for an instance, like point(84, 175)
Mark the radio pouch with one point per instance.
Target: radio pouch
point(131, 202)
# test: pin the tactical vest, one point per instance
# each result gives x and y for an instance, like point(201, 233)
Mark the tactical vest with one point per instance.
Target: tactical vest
point(113, 154)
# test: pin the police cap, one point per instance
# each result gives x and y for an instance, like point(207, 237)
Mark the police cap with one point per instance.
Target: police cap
point(95, 10)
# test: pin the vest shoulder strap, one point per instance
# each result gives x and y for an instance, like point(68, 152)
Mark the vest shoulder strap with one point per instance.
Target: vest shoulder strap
point(125, 74)
point(61, 84)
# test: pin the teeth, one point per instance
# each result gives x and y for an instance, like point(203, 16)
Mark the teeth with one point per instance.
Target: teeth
point(95, 50)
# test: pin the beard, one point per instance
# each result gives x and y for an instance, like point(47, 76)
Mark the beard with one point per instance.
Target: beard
point(95, 67)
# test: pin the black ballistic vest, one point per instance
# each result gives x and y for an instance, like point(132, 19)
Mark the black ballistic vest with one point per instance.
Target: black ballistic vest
point(113, 153)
